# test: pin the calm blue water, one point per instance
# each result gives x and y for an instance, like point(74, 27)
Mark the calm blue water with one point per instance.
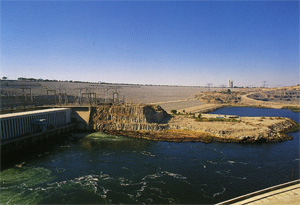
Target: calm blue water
point(254, 112)
point(109, 169)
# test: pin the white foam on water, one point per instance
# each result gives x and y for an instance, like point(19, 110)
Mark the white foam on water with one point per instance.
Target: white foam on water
point(65, 146)
point(147, 154)
point(107, 153)
point(15, 196)
point(125, 182)
point(139, 192)
point(90, 181)
point(227, 171)
point(242, 178)
point(35, 191)
point(152, 176)
point(177, 176)
point(162, 182)
point(144, 185)
point(60, 170)
point(156, 189)
point(131, 196)
point(219, 193)
point(170, 200)
point(105, 191)
point(104, 176)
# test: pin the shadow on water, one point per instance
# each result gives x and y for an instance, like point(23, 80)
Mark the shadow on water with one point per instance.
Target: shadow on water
point(10, 159)
point(88, 141)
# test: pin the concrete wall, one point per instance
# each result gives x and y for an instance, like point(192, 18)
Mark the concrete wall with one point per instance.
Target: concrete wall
point(19, 124)
point(81, 115)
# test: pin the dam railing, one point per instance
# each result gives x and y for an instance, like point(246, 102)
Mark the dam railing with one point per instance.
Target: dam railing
point(248, 197)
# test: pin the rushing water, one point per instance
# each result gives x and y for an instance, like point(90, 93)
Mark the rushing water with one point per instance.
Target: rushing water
point(103, 168)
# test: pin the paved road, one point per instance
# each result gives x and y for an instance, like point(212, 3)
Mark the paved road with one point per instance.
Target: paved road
point(179, 105)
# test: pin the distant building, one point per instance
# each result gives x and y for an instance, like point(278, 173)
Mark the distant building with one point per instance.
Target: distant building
point(230, 83)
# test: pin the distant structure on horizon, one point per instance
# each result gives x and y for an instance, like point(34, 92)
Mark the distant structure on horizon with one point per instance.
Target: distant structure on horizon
point(230, 83)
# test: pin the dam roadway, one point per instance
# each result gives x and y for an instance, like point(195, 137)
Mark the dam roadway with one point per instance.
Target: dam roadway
point(187, 106)
point(287, 193)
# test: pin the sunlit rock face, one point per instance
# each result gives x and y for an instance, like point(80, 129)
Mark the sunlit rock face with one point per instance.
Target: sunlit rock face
point(129, 117)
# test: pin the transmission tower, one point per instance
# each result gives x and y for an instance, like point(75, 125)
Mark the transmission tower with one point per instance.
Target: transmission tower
point(264, 84)
point(26, 94)
point(91, 96)
point(116, 96)
point(208, 85)
point(106, 94)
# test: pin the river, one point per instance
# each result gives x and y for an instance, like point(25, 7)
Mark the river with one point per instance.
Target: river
point(109, 169)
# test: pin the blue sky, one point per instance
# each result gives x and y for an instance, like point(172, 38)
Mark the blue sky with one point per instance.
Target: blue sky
point(151, 42)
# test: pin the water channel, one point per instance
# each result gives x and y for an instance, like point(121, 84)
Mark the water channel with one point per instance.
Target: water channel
point(109, 169)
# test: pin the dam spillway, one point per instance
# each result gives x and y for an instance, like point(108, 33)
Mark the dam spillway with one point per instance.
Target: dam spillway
point(15, 125)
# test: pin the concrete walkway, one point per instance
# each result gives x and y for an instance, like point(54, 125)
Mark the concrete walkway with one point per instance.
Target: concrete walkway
point(288, 193)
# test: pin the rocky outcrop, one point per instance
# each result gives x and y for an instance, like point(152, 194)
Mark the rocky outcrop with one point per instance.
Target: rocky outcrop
point(221, 97)
point(152, 122)
point(283, 95)
point(244, 129)
point(129, 117)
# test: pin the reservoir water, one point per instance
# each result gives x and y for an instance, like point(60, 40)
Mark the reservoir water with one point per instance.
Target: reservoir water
point(103, 168)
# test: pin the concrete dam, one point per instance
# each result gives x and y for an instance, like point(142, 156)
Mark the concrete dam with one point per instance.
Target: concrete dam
point(33, 128)
point(15, 125)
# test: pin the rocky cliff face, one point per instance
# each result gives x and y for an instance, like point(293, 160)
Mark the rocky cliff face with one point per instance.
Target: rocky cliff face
point(129, 117)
